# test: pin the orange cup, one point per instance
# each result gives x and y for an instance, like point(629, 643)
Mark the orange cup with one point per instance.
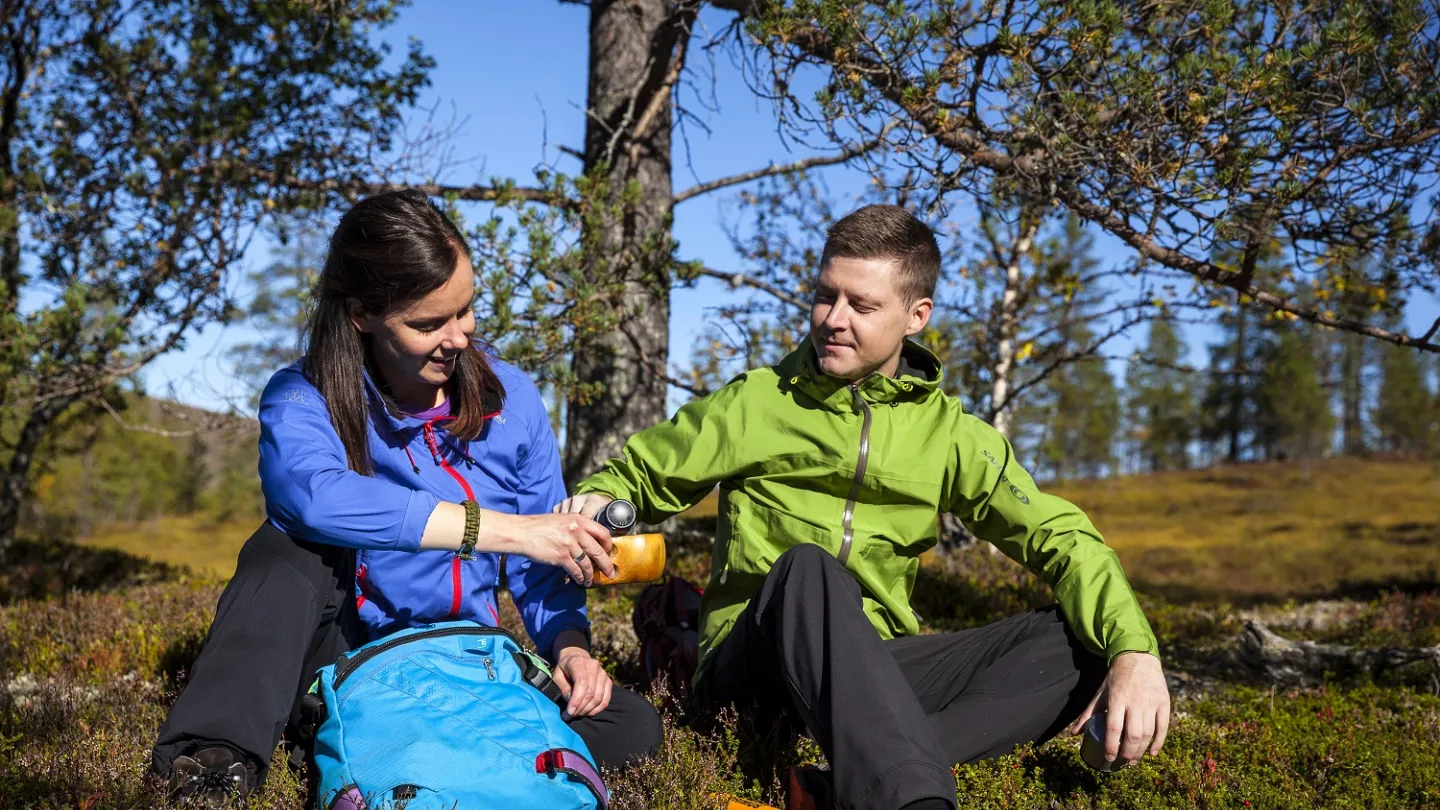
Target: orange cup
point(637, 558)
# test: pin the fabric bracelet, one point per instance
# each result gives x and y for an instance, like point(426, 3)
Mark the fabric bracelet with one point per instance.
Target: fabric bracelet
point(472, 530)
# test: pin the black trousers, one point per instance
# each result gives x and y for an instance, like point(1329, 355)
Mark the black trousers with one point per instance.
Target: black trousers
point(892, 716)
point(290, 610)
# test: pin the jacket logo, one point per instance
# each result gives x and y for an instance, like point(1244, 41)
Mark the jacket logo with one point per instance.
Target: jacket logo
point(295, 395)
point(1004, 479)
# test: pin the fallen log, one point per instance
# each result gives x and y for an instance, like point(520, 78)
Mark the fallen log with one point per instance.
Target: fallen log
point(1307, 662)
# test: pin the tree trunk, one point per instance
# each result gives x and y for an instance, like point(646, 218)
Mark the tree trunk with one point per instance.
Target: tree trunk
point(17, 472)
point(636, 47)
point(1009, 323)
point(1307, 662)
point(1352, 394)
point(1239, 385)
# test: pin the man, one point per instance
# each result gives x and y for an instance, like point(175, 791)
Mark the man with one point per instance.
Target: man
point(832, 467)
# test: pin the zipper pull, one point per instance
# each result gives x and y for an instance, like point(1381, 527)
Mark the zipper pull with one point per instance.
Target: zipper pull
point(724, 573)
point(490, 668)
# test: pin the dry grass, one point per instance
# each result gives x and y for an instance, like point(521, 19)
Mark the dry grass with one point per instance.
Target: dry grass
point(1270, 532)
point(191, 541)
point(1263, 532)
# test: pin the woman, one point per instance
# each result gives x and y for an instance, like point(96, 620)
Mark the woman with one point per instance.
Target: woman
point(370, 448)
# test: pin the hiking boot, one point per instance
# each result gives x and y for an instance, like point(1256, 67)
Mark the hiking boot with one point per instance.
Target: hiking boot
point(211, 778)
point(809, 787)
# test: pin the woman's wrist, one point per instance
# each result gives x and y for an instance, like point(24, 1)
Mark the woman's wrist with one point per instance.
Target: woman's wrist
point(498, 531)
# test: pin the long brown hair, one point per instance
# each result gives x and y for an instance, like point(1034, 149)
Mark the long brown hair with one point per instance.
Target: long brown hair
point(388, 250)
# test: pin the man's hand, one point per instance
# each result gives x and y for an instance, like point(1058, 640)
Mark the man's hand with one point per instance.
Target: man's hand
point(583, 681)
point(1136, 702)
point(587, 505)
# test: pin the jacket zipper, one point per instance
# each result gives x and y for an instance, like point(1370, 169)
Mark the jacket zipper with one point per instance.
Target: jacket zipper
point(347, 665)
point(848, 521)
point(456, 580)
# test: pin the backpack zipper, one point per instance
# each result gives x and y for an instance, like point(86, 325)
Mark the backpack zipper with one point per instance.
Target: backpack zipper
point(348, 663)
point(848, 520)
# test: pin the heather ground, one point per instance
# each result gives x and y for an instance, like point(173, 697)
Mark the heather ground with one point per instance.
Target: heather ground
point(95, 643)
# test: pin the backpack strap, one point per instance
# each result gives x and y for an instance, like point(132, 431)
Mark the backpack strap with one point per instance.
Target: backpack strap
point(575, 765)
point(537, 674)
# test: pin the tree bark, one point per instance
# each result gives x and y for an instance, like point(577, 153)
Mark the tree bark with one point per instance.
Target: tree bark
point(636, 51)
point(1238, 385)
point(1307, 662)
point(17, 471)
point(1009, 324)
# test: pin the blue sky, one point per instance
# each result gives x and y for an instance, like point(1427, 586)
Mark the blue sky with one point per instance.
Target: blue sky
point(515, 70)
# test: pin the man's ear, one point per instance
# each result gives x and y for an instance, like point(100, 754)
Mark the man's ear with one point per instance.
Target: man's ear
point(920, 312)
point(359, 318)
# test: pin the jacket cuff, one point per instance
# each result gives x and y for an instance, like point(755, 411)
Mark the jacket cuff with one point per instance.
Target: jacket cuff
point(1130, 643)
point(417, 513)
point(598, 484)
point(555, 624)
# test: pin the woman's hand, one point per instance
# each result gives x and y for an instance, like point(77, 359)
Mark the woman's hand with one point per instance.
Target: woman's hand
point(583, 681)
point(573, 542)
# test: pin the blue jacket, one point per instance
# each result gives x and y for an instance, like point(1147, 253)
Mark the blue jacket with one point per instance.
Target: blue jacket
point(514, 466)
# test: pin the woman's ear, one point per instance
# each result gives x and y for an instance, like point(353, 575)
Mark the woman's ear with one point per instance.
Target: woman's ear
point(359, 318)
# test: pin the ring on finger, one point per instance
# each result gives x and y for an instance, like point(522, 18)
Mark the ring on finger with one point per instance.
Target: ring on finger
point(579, 558)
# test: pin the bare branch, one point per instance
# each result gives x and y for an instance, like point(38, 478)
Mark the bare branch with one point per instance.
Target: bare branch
point(476, 193)
point(737, 280)
point(1429, 333)
point(770, 171)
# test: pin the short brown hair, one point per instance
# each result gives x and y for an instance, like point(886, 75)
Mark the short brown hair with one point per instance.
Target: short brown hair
point(889, 232)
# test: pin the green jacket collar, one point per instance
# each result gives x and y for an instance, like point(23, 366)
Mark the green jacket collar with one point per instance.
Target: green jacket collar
point(920, 375)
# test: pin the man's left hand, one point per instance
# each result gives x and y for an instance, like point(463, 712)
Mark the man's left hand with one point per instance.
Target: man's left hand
point(583, 682)
point(1136, 702)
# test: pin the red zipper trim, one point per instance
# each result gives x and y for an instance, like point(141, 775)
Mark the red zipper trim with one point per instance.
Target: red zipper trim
point(456, 584)
point(360, 575)
point(455, 578)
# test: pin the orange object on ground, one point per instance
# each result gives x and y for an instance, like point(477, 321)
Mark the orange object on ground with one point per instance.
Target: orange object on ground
point(637, 558)
point(737, 803)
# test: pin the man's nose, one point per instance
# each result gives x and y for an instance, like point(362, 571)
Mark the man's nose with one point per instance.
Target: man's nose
point(838, 318)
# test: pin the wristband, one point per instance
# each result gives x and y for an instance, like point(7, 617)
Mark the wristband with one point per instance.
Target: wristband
point(472, 530)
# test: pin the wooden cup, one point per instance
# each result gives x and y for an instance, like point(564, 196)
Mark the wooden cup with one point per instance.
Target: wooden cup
point(637, 558)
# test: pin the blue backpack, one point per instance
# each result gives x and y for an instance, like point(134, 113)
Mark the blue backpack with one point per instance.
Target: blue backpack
point(447, 717)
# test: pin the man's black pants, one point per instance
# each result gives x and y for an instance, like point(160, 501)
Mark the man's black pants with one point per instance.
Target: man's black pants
point(893, 716)
point(288, 611)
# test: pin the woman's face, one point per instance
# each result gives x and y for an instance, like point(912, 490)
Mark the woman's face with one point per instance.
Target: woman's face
point(415, 346)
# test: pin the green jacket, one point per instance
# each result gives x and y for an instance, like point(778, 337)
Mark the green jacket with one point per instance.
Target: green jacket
point(863, 471)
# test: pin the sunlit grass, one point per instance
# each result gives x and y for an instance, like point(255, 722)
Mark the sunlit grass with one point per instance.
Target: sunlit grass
point(195, 541)
point(1249, 533)
point(1272, 531)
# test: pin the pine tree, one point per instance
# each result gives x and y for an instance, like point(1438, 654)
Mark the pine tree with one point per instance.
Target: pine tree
point(278, 308)
point(1404, 415)
point(1161, 402)
point(193, 476)
point(1079, 415)
point(1293, 417)
point(1227, 407)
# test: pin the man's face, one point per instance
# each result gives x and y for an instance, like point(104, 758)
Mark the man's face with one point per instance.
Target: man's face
point(859, 320)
